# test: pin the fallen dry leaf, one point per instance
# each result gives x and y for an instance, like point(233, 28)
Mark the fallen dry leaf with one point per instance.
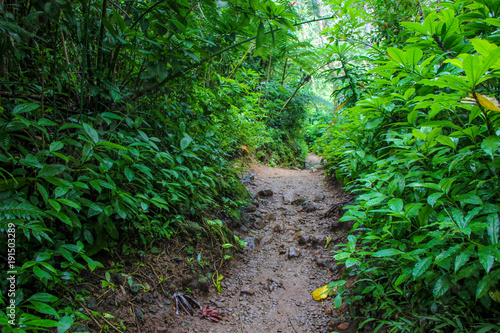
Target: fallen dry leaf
point(488, 102)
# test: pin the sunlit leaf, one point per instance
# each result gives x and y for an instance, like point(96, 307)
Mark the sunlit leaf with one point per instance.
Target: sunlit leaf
point(320, 293)
point(488, 102)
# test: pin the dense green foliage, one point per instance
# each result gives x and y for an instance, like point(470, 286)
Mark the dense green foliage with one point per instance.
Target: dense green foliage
point(421, 151)
point(118, 121)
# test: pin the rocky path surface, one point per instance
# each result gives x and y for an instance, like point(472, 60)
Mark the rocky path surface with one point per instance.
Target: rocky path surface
point(270, 289)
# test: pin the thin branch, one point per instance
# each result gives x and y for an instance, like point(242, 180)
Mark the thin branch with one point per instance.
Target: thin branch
point(230, 47)
point(120, 8)
point(304, 81)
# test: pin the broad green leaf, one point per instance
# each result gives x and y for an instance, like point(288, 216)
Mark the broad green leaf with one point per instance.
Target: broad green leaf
point(483, 46)
point(51, 170)
point(419, 238)
point(493, 228)
point(351, 244)
point(402, 278)
point(338, 301)
point(421, 266)
point(42, 256)
point(5, 141)
point(98, 183)
point(445, 140)
point(470, 198)
point(67, 255)
point(185, 142)
point(413, 56)
point(495, 295)
point(375, 201)
point(70, 203)
point(430, 23)
point(417, 27)
point(426, 185)
point(43, 192)
point(55, 204)
point(445, 184)
point(409, 93)
point(43, 297)
point(342, 255)
point(46, 122)
point(65, 218)
point(92, 263)
point(486, 258)
point(397, 55)
point(42, 323)
point(261, 34)
point(463, 258)
point(59, 182)
point(129, 173)
point(424, 213)
point(56, 145)
point(433, 198)
point(483, 287)
point(396, 204)
point(441, 287)
point(386, 253)
point(66, 322)
point(419, 134)
point(412, 117)
point(110, 115)
point(94, 136)
point(111, 145)
point(455, 62)
point(350, 262)
point(110, 226)
point(42, 274)
point(23, 108)
point(490, 145)
point(448, 81)
point(458, 218)
point(44, 308)
point(60, 191)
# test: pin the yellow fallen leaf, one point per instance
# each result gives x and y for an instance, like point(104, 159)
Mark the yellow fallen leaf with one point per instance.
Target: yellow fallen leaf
point(341, 105)
point(488, 102)
point(321, 293)
point(495, 295)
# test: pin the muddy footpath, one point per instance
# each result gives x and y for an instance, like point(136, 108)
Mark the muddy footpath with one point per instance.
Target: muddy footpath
point(270, 288)
point(291, 228)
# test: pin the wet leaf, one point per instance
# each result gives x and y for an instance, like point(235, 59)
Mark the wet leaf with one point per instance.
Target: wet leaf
point(486, 258)
point(421, 266)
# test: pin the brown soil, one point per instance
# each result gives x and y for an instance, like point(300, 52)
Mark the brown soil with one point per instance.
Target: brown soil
point(268, 288)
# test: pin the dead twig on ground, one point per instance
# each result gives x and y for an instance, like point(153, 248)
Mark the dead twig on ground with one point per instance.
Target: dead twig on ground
point(95, 320)
point(293, 326)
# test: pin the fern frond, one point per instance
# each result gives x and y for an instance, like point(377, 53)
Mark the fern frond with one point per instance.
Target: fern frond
point(20, 210)
point(319, 100)
point(190, 226)
point(308, 61)
point(7, 197)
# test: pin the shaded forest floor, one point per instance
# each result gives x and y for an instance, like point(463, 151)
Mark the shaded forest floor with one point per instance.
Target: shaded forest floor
point(266, 288)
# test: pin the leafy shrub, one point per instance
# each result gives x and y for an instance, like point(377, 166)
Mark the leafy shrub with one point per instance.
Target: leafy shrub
point(420, 150)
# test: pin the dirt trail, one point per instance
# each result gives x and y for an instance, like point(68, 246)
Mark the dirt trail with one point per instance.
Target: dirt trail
point(270, 289)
